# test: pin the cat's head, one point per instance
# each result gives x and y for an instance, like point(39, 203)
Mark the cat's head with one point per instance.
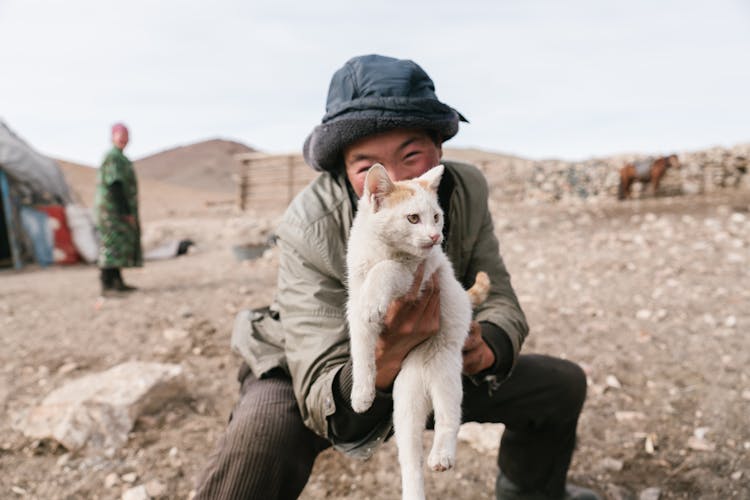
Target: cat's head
point(404, 214)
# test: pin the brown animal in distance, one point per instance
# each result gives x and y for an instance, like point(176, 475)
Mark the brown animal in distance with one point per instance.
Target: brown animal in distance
point(645, 173)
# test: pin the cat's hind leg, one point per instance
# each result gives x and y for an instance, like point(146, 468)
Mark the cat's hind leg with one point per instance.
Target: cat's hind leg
point(410, 409)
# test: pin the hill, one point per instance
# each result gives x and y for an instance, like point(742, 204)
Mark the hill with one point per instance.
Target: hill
point(158, 199)
point(206, 165)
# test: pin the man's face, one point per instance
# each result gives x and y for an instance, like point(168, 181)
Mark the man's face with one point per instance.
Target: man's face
point(120, 137)
point(405, 154)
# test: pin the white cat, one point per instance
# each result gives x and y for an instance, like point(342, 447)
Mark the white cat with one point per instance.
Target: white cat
point(397, 227)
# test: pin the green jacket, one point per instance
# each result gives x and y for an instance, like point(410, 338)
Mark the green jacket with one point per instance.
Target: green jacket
point(311, 339)
point(119, 242)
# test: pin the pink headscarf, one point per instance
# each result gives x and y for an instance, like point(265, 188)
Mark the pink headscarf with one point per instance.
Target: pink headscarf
point(119, 127)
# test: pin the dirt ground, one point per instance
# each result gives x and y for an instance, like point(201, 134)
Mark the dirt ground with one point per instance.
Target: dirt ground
point(651, 297)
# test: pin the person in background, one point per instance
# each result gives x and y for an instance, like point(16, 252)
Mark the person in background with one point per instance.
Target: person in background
point(296, 378)
point(116, 206)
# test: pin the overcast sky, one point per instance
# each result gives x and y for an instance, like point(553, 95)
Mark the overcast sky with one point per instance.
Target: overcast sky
point(537, 78)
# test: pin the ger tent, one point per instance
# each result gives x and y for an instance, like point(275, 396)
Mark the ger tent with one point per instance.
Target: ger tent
point(33, 198)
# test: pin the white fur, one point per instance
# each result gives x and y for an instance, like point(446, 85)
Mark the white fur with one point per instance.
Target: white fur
point(384, 252)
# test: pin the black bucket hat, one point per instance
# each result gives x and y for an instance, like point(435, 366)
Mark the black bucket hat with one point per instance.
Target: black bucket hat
point(372, 94)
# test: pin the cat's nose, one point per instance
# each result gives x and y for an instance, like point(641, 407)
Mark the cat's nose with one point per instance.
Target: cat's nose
point(435, 238)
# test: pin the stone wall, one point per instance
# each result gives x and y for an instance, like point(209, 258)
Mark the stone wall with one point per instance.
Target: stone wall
point(515, 179)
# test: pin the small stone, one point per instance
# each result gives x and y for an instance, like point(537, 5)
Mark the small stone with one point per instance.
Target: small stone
point(611, 464)
point(185, 312)
point(130, 477)
point(67, 368)
point(730, 322)
point(736, 476)
point(617, 492)
point(156, 488)
point(111, 480)
point(612, 382)
point(624, 416)
point(18, 490)
point(700, 444)
point(652, 493)
point(175, 334)
point(643, 314)
point(137, 493)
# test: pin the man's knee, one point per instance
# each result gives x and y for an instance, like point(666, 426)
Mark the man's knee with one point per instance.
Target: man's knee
point(267, 424)
point(571, 386)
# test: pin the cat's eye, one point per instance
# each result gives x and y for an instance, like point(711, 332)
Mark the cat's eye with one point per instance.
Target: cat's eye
point(437, 217)
point(413, 218)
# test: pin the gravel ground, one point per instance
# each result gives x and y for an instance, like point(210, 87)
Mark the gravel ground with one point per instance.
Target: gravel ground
point(650, 296)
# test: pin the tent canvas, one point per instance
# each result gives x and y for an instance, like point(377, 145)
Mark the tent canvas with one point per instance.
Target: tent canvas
point(28, 179)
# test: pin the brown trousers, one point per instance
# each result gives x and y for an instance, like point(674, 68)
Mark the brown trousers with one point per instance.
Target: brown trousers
point(267, 452)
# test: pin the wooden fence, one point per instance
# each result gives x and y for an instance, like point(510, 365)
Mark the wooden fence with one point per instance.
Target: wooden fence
point(269, 182)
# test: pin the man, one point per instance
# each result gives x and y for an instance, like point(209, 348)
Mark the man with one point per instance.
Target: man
point(116, 207)
point(296, 383)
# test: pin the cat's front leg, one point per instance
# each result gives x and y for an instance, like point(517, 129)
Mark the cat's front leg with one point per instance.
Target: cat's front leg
point(385, 282)
point(363, 337)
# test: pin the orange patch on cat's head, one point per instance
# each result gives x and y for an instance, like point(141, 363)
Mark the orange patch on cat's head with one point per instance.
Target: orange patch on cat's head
point(400, 193)
point(424, 184)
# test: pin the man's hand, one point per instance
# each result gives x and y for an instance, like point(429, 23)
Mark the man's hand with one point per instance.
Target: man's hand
point(477, 354)
point(409, 321)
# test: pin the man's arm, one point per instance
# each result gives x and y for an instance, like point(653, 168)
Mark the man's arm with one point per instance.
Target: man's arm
point(503, 323)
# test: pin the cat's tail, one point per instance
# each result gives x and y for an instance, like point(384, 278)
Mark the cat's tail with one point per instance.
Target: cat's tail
point(479, 291)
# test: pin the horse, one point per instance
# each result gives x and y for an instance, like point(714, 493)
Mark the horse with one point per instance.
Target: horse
point(645, 172)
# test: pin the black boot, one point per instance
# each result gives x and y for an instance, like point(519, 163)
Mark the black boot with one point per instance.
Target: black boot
point(120, 285)
point(107, 277)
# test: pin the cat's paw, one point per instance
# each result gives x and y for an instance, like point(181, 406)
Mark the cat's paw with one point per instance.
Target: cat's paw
point(362, 398)
point(441, 460)
point(375, 313)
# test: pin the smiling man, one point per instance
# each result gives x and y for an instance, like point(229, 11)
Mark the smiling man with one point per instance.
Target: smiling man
point(297, 376)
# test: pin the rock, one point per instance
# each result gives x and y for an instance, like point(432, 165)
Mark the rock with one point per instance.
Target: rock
point(130, 477)
point(617, 492)
point(67, 368)
point(612, 382)
point(137, 493)
point(611, 464)
point(97, 411)
point(175, 334)
point(650, 494)
point(700, 444)
point(485, 438)
point(156, 488)
point(643, 314)
point(111, 480)
point(185, 312)
point(19, 491)
point(624, 416)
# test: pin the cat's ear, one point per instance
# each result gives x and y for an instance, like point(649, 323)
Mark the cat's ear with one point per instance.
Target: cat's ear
point(378, 185)
point(432, 177)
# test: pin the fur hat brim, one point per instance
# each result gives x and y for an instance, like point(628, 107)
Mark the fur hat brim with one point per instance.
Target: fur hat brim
point(323, 148)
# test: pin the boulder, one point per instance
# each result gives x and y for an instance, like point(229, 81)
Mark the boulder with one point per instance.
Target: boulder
point(97, 411)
